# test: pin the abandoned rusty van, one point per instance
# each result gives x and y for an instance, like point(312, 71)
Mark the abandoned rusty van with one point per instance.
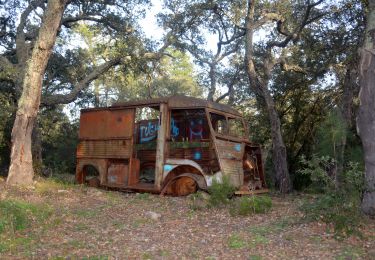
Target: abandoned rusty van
point(172, 145)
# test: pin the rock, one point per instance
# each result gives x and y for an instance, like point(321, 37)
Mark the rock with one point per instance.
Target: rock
point(95, 192)
point(153, 215)
point(199, 200)
point(62, 191)
point(204, 195)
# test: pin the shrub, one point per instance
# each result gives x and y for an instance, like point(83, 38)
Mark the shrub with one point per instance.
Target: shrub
point(317, 169)
point(251, 205)
point(220, 193)
point(337, 211)
point(337, 206)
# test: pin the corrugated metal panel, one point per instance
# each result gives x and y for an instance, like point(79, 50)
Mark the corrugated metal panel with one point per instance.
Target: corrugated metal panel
point(104, 149)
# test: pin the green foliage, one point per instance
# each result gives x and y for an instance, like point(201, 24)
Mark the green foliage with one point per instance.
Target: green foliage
point(18, 215)
point(340, 213)
point(7, 108)
point(143, 196)
point(245, 206)
point(198, 200)
point(236, 242)
point(339, 207)
point(317, 170)
point(59, 141)
point(330, 134)
point(220, 193)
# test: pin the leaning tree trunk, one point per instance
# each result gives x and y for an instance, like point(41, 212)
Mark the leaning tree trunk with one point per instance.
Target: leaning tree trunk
point(279, 156)
point(260, 87)
point(21, 166)
point(366, 113)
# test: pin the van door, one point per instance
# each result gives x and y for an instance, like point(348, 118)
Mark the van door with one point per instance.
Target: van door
point(229, 150)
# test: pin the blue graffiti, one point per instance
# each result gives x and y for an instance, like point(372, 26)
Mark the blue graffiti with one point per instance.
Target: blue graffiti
point(197, 155)
point(196, 129)
point(175, 131)
point(237, 147)
point(168, 167)
point(148, 132)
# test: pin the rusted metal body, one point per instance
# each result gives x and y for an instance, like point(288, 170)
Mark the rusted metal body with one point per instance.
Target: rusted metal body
point(169, 145)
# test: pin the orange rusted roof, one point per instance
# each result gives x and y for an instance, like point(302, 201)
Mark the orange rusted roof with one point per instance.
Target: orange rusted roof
point(179, 101)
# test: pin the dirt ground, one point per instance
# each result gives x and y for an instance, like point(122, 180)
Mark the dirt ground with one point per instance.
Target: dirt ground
point(88, 223)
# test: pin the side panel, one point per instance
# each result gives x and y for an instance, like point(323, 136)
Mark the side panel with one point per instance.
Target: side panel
point(106, 134)
point(104, 124)
point(106, 142)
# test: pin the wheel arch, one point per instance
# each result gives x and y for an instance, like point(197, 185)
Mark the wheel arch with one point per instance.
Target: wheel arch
point(184, 170)
point(100, 165)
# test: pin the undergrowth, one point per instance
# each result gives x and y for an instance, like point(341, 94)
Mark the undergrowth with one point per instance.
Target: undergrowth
point(220, 193)
point(47, 186)
point(17, 215)
point(336, 205)
point(245, 206)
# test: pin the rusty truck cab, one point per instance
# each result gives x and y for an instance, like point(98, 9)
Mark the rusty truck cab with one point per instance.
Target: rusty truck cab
point(172, 145)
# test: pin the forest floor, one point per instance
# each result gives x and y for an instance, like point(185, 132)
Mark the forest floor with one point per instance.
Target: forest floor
point(88, 223)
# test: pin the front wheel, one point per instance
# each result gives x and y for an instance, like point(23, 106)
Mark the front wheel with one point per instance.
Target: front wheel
point(182, 186)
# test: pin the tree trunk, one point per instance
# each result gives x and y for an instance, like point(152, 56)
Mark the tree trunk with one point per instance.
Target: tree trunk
point(260, 87)
point(21, 166)
point(346, 113)
point(366, 114)
point(212, 90)
point(279, 156)
point(36, 149)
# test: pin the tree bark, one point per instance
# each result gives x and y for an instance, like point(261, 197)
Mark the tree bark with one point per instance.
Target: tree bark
point(349, 85)
point(260, 87)
point(366, 114)
point(21, 166)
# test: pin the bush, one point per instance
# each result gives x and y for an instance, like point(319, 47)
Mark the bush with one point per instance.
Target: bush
point(341, 214)
point(245, 206)
point(318, 169)
point(339, 207)
point(220, 193)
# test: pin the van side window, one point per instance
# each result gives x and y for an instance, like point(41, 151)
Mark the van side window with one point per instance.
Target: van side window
point(189, 125)
point(147, 124)
point(236, 127)
point(219, 123)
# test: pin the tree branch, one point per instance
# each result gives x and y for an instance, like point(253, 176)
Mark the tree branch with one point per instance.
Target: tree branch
point(292, 36)
point(67, 21)
point(84, 83)
point(22, 52)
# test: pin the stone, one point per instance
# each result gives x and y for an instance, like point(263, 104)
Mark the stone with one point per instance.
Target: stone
point(153, 215)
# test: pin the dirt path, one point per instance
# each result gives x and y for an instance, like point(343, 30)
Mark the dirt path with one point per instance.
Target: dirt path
point(87, 223)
